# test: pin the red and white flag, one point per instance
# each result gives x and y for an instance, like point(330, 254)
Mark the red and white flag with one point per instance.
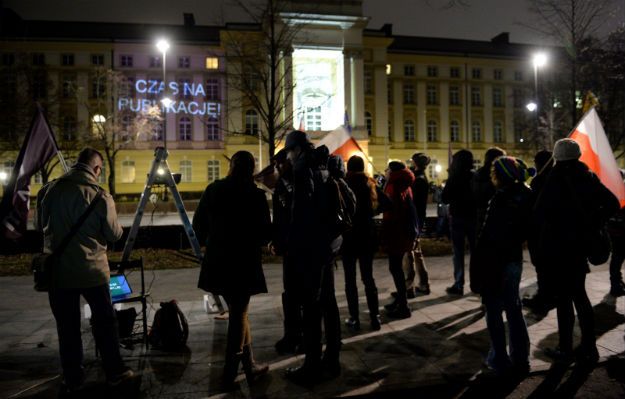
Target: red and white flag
point(340, 141)
point(597, 153)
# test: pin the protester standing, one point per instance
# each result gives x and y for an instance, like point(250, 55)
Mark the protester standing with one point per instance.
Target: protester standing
point(483, 188)
point(359, 244)
point(82, 268)
point(497, 265)
point(458, 194)
point(232, 264)
point(399, 232)
point(573, 204)
point(616, 228)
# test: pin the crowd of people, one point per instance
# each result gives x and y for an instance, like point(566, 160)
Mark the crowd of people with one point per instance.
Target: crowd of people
point(323, 212)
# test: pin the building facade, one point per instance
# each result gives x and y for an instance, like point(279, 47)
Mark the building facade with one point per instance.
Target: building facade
point(402, 94)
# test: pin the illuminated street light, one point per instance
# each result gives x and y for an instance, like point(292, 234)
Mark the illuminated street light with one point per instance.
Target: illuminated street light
point(160, 171)
point(166, 101)
point(521, 139)
point(3, 176)
point(539, 60)
point(531, 107)
point(438, 168)
point(99, 118)
point(162, 45)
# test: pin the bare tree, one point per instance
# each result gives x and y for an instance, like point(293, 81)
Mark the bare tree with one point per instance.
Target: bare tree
point(259, 68)
point(106, 129)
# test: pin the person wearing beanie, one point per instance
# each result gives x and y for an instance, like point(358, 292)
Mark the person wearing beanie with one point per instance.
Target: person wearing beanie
point(359, 245)
point(399, 232)
point(415, 262)
point(541, 303)
point(497, 264)
point(458, 194)
point(572, 203)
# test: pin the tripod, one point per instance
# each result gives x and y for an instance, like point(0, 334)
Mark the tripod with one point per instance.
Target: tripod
point(161, 174)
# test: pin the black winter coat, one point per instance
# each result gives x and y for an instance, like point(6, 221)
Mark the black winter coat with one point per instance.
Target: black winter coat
point(362, 236)
point(572, 203)
point(483, 191)
point(458, 193)
point(501, 237)
point(233, 220)
point(420, 191)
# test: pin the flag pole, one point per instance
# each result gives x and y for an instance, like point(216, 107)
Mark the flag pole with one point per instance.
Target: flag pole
point(56, 146)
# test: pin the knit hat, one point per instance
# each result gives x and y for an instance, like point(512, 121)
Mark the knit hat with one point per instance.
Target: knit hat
point(566, 150)
point(295, 138)
point(396, 165)
point(511, 170)
point(421, 160)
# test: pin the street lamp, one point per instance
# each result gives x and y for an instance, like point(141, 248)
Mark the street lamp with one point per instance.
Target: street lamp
point(163, 45)
point(539, 60)
point(531, 107)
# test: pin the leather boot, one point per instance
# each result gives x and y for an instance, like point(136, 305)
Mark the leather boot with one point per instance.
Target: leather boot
point(231, 370)
point(252, 369)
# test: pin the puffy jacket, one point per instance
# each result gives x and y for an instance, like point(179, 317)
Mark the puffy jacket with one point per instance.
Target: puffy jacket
point(60, 203)
point(458, 193)
point(399, 224)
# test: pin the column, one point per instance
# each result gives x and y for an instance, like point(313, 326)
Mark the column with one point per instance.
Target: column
point(82, 114)
point(398, 111)
point(509, 115)
point(488, 113)
point(381, 103)
point(347, 79)
point(421, 122)
point(357, 114)
point(444, 112)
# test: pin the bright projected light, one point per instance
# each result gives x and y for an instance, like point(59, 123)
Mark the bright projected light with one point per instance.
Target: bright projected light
point(318, 99)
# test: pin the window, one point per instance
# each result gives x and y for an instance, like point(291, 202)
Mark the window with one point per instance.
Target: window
point(368, 81)
point(98, 87)
point(212, 89)
point(454, 72)
point(126, 61)
point(213, 170)
point(432, 172)
point(477, 164)
point(313, 118)
point(409, 134)
point(127, 87)
point(454, 131)
point(97, 59)
point(409, 93)
point(39, 59)
point(212, 63)
point(432, 131)
point(251, 122)
point(498, 132)
point(154, 94)
point(40, 86)
point(69, 128)
point(8, 59)
point(156, 61)
point(476, 96)
point(369, 123)
point(408, 70)
point(476, 73)
point(67, 59)
point(432, 71)
point(518, 76)
point(186, 171)
point(454, 95)
point(184, 62)
point(476, 132)
point(157, 134)
point(184, 129)
point(184, 85)
point(38, 178)
point(212, 129)
point(498, 74)
point(497, 97)
point(68, 86)
point(7, 168)
point(432, 95)
point(517, 98)
point(128, 171)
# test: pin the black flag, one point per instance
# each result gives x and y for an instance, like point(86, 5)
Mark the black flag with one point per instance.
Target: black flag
point(38, 147)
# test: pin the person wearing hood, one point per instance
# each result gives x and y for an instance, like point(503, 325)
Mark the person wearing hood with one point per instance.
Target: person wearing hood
point(232, 265)
point(572, 203)
point(82, 268)
point(462, 210)
point(359, 244)
point(399, 232)
point(497, 264)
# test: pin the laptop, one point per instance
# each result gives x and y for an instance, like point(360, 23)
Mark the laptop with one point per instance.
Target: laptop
point(120, 289)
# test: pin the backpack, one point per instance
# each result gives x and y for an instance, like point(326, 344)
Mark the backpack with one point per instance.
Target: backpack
point(170, 329)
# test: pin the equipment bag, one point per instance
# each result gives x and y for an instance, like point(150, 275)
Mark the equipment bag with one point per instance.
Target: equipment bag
point(170, 329)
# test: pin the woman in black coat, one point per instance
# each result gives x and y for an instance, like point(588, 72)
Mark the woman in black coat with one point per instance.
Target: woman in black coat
point(233, 220)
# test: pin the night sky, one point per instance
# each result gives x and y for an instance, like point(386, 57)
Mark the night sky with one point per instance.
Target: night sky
point(481, 19)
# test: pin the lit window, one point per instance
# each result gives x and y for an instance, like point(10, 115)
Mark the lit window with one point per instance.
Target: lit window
point(213, 170)
point(128, 171)
point(184, 129)
point(212, 63)
point(498, 132)
point(251, 122)
point(454, 131)
point(212, 129)
point(186, 171)
point(476, 132)
point(432, 131)
point(409, 134)
point(388, 69)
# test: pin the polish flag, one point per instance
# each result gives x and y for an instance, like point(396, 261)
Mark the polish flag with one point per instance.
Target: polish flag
point(597, 153)
point(340, 141)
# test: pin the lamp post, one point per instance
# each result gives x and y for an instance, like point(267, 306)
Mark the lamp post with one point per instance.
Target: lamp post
point(163, 45)
point(539, 60)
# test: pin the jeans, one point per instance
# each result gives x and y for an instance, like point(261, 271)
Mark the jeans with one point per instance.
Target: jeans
point(395, 266)
point(415, 265)
point(572, 292)
point(507, 301)
point(461, 228)
point(351, 289)
point(291, 302)
point(65, 305)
